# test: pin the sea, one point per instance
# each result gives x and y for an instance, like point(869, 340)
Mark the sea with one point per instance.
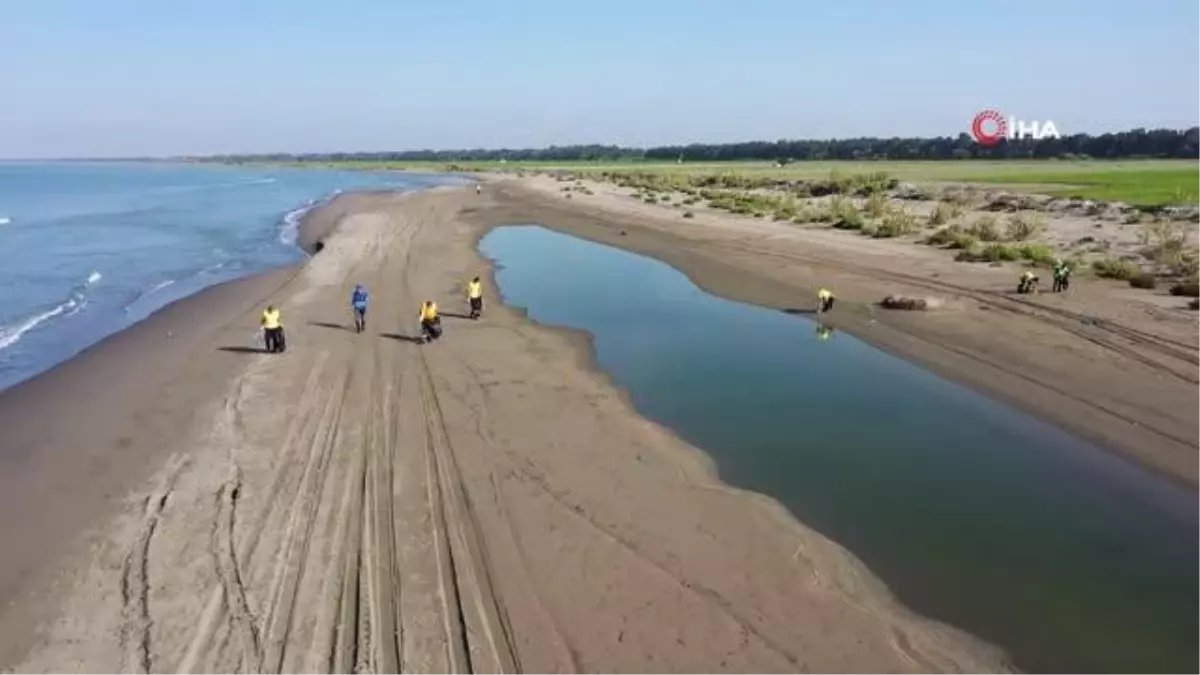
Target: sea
point(90, 248)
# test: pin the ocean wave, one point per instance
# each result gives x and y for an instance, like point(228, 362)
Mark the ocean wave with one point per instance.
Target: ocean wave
point(11, 334)
point(4, 220)
point(147, 293)
point(211, 269)
point(289, 232)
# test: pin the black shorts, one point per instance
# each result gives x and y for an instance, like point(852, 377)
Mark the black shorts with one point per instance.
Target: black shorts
point(476, 304)
point(361, 311)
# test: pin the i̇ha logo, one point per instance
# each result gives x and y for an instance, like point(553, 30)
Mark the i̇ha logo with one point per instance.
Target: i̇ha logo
point(990, 127)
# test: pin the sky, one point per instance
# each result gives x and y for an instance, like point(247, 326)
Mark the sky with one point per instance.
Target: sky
point(116, 78)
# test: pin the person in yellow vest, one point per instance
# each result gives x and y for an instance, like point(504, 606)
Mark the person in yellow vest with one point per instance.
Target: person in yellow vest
point(824, 300)
point(431, 323)
point(273, 330)
point(475, 297)
point(1028, 282)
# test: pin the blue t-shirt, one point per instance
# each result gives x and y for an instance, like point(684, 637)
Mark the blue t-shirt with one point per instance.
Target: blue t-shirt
point(359, 299)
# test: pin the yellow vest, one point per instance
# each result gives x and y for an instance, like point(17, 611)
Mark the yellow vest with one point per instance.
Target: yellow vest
point(270, 319)
point(824, 294)
point(429, 312)
point(475, 290)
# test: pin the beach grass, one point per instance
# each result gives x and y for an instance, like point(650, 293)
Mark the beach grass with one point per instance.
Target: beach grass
point(1149, 182)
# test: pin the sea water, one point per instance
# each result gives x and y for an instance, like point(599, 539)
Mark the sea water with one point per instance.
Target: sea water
point(87, 249)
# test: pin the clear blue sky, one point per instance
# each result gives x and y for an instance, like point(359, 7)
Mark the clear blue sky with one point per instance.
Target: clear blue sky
point(118, 77)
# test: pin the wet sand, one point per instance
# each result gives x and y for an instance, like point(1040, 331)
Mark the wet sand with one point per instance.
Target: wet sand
point(489, 502)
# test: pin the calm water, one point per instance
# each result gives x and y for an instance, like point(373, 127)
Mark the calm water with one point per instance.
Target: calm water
point(87, 249)
point(972, 512)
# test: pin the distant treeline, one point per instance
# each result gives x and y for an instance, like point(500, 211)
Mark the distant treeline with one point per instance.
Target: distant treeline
point(1138, 143)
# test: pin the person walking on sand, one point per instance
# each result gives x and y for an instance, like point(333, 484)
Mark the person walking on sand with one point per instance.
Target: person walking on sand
point(478, 189)
point(272, 330)
point(1062, 275)
point(824, 300)
point(431, 323)
point(475, 297)
point(358, 302)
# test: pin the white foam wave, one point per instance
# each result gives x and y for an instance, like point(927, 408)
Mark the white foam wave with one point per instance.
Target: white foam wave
point(289, 234)
point(150, 291)
point(11, 334)
point(4, 220)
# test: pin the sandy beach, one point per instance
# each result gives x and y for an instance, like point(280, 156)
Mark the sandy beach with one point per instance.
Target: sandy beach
point(491, 502)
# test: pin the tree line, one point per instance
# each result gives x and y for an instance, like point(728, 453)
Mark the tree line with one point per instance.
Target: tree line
point(1136, 143)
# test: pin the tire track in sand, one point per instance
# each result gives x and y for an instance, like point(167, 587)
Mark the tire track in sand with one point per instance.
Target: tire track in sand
point(135, 582)
point(292, 555)
point(214, 610)
point(224, 554)
point(464, 553)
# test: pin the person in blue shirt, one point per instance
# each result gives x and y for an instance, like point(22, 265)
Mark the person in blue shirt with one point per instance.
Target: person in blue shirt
point(358, 301)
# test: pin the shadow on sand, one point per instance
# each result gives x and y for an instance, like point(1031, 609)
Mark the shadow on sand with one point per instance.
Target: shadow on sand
point(327, 324)
point(796, 310)
point(403, 338)
point(244, 350)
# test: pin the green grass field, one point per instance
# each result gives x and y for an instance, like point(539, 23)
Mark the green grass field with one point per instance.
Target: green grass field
point(1140, 182)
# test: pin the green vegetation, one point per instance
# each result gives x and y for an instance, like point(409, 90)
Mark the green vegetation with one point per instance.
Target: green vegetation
point(954, 237)
point(1133, 185)
point(1166, 244)
point(897, 224)
point(1144, 280)
point(1023, 226)
point(877, 205)
point(785, 153)
point(1188, 288)
point(1111, 268)
point(1142, 182)
point(844, 215)
point(986, 228)
point(945, 212)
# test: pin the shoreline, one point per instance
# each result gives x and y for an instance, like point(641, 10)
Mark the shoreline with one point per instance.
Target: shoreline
point(322, 224)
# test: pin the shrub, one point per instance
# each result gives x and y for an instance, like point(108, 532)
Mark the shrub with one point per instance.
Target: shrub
point(986, 229)
point(897, 224)
point(1110, 268)
point(944, 212)
point(1038, 253)
point(688, 214)
point(877, 205)
point(997, 252)
point(1144, 280)
point(1166, 244)
point(953, 237)
point(1022, 226)
point(844, 216)
point(1189, 288)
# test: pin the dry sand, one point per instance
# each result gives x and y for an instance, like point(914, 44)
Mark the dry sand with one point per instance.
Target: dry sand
point(489, 502)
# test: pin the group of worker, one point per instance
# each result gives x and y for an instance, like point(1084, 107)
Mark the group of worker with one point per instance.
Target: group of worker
point(430, 318)
point(1060, 270)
